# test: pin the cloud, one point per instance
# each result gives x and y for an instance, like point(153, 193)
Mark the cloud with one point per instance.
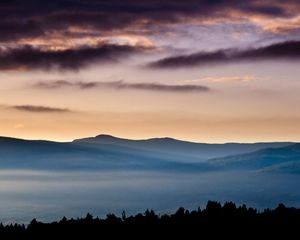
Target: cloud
point(281, 25)
point(39, 109)
point(65, 83)
point(35, 18)
point(27, 57)
point(285, 50)
point(230, 79)
point(120, 85)
point(11, 30)
point(61, 34)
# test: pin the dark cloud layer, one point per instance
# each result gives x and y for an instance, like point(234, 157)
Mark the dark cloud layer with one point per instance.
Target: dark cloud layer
point(28, 57)
point(39, 109)
point(30, 21)
point(120, 85)
point(11, 30)
point(21, 18)
point(285, 51)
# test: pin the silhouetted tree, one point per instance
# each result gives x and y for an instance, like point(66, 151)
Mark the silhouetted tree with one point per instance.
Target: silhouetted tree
point(227, 220)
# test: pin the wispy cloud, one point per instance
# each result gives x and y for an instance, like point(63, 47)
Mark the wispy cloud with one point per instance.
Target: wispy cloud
point(280, 25)
point(278, 51)
point(230, 79)
point(121, 85)
point(64, 83)
point(27, 57)
point(39, 109)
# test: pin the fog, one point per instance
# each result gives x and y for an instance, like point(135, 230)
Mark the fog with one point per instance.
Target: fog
point(49, 195)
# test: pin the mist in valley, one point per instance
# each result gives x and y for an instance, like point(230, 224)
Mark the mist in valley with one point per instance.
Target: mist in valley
point(50, 195)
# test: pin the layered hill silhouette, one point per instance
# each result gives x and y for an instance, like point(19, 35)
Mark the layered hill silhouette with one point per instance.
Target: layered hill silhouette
point(285, 159)
point(194, 152)
point(17, 153)
point(105, 152)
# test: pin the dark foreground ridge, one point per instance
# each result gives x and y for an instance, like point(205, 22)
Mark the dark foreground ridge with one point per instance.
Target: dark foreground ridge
point(213, 221)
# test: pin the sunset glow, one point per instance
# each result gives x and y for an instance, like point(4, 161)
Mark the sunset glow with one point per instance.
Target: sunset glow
point(196, 70)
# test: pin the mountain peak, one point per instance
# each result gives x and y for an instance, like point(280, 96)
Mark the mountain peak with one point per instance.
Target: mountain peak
point(162, 139)
point(106, 136)
point(111, 137)
point(102, 138)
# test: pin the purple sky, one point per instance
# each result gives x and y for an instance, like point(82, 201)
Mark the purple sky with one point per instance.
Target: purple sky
point(207, 71)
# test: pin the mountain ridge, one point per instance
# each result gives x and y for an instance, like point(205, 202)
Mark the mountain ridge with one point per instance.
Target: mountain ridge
point(112, 137)
point(191, 150)
point(109, 152)
point(265, 159)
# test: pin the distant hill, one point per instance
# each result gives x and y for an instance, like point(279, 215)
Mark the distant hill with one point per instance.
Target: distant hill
point(18, 153)
point(187, 151)
point(106, 152)
point(285, 159)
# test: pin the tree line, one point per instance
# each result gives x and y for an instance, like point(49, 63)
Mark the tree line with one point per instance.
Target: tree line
point(225, 220)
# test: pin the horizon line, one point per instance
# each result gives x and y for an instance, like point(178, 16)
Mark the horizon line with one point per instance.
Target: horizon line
point(145, 139)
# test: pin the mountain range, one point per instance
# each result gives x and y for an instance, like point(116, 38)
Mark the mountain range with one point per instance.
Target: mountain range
point(105, 152)
point(270, 159)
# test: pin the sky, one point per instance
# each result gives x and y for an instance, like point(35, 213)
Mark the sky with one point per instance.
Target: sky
point(199, 70)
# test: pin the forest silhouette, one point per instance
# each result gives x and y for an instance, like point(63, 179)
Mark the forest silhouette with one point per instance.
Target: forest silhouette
point(215, 220)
